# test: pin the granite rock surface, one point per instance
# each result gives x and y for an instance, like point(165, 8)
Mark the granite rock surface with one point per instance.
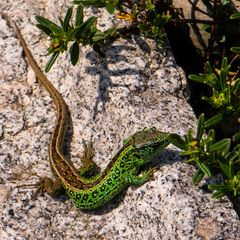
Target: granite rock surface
point(138, 85)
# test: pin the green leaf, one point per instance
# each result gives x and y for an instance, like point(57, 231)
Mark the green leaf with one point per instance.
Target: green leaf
point(177, 141)
point(110, 32)
point(226, 168)
point(225, 68)
point(79, 15)
point(98, 36)
point(210, 138)
point(189, 137)
point(221, 146)
point(208, 78)
point(67, 19)
point(236, 149)
point(223, 81)
point(208, 141)
point(74, 53)
point(236, 137)
point(198, 176)
point(235, 16)
point(200, 127)
point(223, 39)
point(51, 61)
point(190, 152)
point(213, 121)
point(206, 27)
point(61, 22)
point(236, 87)
point(204, 168)
point(48, 24)
point(110, 8)
point(134, 11)
point(84, 28)
point(197, 78)
point(235, 49)
point(71, 34)
point(224, 2)
point(218, 194)
point(209, 68)
point(220, 187)
point(43, 21)
point(224, 62)
point(190, 160)
point(228, 98)
point(47, 30)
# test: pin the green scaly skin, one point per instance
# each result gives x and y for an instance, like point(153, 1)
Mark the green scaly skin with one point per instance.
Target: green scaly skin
point(123, 170)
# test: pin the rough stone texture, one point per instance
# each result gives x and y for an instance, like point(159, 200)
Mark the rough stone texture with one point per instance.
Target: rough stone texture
point(134, 88)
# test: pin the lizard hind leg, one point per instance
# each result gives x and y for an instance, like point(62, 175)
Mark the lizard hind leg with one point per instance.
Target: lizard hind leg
point(89, 168)
point(46, 184)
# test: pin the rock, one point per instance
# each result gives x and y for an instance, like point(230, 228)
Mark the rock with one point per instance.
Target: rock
point(110, 100)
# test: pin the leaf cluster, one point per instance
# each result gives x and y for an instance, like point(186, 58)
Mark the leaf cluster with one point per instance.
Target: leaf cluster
point(81, 32)
point(143, 15)
point(212, 155)
point(225, 85)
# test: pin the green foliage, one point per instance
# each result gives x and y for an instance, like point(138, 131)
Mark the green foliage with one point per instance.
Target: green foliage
point(235, 16)
point(225, 89)
point(144, 14)
point(153, 27)
point(209, 154)
point(81, 32)
point(215, 149)
point(86, 33)
point(212, 157)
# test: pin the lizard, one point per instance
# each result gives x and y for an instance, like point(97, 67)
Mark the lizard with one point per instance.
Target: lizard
point(124, 169)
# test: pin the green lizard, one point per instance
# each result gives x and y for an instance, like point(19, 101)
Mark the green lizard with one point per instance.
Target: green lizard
point(90, 192)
